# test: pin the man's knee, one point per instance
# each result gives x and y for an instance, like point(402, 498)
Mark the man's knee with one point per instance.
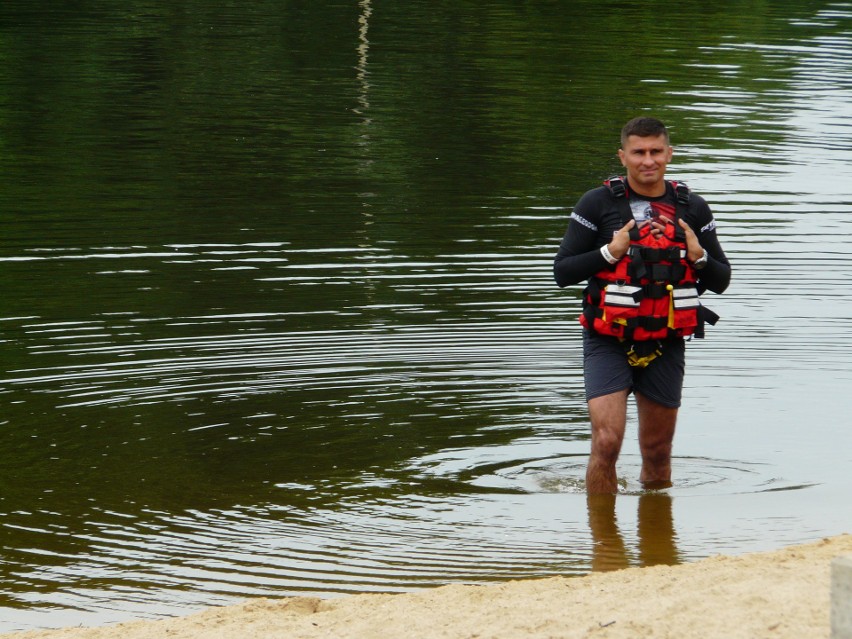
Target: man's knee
point(606, 444)
point(656, 451)
point(608, 414)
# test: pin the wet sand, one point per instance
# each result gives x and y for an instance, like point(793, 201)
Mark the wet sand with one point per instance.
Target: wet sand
point(779, 594)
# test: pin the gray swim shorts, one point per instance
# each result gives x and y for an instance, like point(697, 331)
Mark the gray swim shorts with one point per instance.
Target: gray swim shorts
point(606, 370)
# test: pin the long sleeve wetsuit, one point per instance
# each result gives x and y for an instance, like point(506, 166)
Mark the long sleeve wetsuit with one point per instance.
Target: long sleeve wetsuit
point(596, 218)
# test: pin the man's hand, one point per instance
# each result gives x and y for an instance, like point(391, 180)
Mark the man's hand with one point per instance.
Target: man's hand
point(621, 241)
point(693, 248)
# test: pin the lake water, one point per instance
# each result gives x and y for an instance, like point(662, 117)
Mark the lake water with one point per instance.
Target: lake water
point(277, 307)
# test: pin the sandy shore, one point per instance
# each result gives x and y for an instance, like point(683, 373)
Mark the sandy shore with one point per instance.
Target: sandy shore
point(780, 594)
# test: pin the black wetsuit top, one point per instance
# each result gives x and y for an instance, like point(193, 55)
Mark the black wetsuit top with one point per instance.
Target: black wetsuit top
point(596, 217)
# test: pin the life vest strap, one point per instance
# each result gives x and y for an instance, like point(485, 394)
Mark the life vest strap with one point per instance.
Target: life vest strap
point(682, 193)
point(618, 189)
point(651, 254)
point(655, 290)
point(666, 272)
point(616, 185)
point(657, 272)
point(640, 354)
point(649, 324)
point(705, 315)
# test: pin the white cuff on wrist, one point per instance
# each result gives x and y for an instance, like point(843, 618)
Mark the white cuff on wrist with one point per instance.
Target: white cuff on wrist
point(607, 255)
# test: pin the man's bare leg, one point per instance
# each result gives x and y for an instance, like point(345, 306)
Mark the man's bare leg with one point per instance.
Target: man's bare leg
point(608, 415)
point(656, 433)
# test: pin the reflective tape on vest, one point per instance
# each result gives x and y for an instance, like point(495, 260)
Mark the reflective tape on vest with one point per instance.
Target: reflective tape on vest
point(686, 297)
point(623, 295)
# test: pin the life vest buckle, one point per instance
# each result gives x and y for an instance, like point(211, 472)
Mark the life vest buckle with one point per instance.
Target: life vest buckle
point(640, 354)
point(616, 185)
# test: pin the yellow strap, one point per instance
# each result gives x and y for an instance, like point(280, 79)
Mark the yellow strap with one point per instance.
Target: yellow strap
point(641, 362)
point(671, 322)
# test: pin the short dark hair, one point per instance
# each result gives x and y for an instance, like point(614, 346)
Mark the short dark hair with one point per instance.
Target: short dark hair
point(644, 127)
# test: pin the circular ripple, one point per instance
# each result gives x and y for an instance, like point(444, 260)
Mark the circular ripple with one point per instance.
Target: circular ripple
point(691, 476)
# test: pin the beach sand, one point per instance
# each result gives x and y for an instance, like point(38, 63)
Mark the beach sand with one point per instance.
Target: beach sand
point(780, 594)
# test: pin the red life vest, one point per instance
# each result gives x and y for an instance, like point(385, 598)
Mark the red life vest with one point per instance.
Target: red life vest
point(650, 293)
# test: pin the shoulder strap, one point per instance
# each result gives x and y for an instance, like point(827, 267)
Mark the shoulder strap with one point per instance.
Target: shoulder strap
point(682, 192)
point(618, 189)
point(681, 206)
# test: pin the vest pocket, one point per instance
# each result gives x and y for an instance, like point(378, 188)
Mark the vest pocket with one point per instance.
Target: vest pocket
point(620, 302)
point(685, 304)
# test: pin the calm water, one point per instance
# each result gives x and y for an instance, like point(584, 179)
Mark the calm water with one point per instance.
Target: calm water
point(277, 308)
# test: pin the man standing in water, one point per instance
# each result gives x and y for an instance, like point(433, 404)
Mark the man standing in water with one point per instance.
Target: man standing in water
point(648, 249)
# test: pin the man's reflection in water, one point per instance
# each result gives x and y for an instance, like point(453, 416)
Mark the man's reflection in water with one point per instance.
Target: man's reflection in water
point(655, 531)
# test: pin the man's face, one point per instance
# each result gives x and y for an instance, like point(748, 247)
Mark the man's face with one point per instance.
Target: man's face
point(646, 160)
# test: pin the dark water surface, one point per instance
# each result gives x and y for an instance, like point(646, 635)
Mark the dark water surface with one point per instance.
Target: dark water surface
point(277, 307)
